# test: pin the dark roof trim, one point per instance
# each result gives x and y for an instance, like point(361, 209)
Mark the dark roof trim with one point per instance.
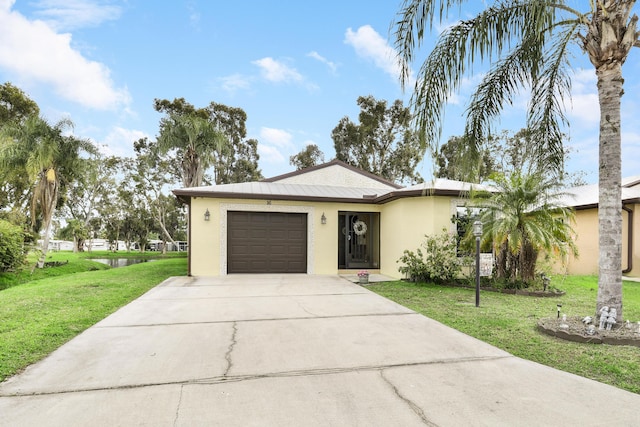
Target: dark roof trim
point(625, 202)
point(333, 163)
point(185, 196)
point(395, 195)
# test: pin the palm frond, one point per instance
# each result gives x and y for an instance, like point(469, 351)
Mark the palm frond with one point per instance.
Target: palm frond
point(414, 18)
point(484, 37)
point(550, 89)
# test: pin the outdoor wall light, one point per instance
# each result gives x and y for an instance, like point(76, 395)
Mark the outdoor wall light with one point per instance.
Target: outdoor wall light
point(207, 215)
point(323, 219)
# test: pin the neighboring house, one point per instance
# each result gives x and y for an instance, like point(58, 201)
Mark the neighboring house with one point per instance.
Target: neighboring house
point(584, 200)
point(327, 219)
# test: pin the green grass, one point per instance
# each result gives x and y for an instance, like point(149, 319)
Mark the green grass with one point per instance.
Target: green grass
point(39, 316)
point(509, 322)
point(78, 262)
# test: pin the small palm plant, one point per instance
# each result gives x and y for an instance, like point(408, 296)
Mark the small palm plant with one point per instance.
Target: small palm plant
point(523, 217)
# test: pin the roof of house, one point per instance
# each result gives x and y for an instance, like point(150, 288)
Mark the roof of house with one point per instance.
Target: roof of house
point(586, 196)
point(332, 181)
point(334, 173)
point(631, 181)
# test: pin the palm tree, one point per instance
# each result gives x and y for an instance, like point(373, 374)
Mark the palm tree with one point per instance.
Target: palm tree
point(528, 43)
point(522, 217)
point(48, 158)
point(195, 140)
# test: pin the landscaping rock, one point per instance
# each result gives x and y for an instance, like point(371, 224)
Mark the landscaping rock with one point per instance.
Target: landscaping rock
point(573, 329)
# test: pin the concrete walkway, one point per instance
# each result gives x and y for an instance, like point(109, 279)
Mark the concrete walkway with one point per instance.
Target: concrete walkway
point(293, 350)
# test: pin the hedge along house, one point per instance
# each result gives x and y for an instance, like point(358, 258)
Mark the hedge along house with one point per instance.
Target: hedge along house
point(327, 219)
point(584, 200)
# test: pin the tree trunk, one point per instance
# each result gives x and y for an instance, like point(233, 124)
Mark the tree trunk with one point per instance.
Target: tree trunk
point(45, 241)
point(610, 194)
point(528, 260)
point(48, 201)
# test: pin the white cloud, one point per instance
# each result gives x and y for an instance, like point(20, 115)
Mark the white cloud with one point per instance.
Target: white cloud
point(119, 141)
point(276, 145)
point(32, 50)
point(270, 154)
point(278, 137)
point(72, 14)
point(194, 15)
point(277, 72)
point(372, 46)
point(332, 65)
point(235, 82)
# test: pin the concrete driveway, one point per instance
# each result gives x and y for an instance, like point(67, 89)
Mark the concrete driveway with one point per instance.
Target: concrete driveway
point(293, 350)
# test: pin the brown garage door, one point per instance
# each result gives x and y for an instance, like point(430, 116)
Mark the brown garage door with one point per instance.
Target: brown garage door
point(266, 242)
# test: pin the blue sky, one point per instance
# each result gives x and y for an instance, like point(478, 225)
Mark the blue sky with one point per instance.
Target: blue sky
point(295, 67)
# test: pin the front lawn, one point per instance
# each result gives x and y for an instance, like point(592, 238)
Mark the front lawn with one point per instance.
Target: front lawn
point(509, 322)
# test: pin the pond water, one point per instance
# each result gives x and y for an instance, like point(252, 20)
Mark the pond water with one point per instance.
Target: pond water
point(120, 262)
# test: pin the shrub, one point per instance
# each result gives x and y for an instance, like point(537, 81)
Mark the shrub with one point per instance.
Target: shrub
point(435, 261)
point(12, 253)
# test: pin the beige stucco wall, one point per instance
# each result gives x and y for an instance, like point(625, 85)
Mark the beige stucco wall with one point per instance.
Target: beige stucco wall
point(635, 271)
point(403, 224)
point(586, 228)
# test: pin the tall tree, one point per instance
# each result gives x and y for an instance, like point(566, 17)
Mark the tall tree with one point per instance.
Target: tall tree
point(383, 143)
point(195, 140)
point(528, 43)
point(503, 153)
point(153, 174)
point(96, 178)
point(49, 160)
point(453, 162)
point(238, 160)
point(15, 105)
point(309, 156)
point(234, 158)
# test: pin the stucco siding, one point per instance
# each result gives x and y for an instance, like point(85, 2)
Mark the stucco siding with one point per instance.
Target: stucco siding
point(635, 270)
point(404, 224)
point(586, 228)
point(204, 248)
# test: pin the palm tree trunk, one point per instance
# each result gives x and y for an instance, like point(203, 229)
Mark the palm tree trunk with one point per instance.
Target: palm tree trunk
point(610, 197)
point(45, 240)
point(48, 196)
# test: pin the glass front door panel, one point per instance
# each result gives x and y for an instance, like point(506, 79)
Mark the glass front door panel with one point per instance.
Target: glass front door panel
point(359, 240)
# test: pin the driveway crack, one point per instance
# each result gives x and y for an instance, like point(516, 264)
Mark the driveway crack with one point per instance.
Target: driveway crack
point(415, 408)
point(175, 420)
point(304, 308)
point(233, 343)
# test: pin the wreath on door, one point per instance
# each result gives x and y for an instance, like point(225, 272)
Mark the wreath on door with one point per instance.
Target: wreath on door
point(359, 227)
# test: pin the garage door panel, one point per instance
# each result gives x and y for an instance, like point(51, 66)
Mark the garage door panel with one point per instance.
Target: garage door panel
point(239, 250)
point(296, 235)
point(266, 242)
point(259, 233)
point(278, 234)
